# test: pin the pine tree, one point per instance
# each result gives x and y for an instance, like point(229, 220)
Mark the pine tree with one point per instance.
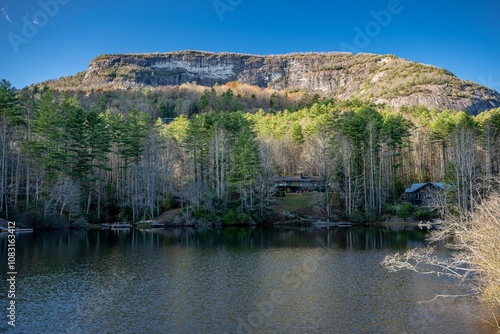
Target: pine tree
point(9, 116)
point(246, 168)
point(50, 137)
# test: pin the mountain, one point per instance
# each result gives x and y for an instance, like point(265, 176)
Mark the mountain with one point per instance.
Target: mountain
point(377, 78)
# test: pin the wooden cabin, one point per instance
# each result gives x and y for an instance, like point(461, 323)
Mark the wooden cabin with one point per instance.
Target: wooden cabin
point(298, 184)
point(167, 120)
point(424, 193)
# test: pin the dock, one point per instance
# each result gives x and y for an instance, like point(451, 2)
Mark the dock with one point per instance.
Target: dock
point(16, 230)
point(429, 226)
point(116, 226)
point(321, 224)
point(149, 224)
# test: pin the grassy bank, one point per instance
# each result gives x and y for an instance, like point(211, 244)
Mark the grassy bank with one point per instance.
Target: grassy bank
point(295, 202)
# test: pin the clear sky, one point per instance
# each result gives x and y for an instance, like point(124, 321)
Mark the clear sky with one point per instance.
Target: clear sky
point(47, 39)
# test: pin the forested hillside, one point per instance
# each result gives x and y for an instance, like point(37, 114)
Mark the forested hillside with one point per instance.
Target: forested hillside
point(107, 156)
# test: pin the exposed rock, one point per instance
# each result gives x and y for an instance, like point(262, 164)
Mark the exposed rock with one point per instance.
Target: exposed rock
point(378, 78)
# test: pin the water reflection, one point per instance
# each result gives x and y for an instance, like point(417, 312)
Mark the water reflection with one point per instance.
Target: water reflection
point(359, 238)
point(230, 280)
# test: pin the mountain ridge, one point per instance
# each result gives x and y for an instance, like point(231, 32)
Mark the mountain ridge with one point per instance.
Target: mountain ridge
point(384, 79)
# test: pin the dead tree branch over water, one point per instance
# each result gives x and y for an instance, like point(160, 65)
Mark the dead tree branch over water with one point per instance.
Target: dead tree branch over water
point(476, 256)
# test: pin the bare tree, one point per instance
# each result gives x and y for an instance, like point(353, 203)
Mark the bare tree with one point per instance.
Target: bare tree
point(477, 251)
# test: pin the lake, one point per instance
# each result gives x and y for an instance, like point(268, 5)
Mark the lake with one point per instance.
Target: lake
point(241, 280)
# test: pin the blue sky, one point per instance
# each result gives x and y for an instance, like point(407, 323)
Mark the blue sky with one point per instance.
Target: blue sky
point(47, 39)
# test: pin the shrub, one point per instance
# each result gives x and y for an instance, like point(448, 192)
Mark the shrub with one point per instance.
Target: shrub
point(384, 217)
point(357, 217)
point(169, 201)
point(125, 213)
point(424, 213)
point(203, 214)
point(370, 216)
point(244, 218)
point(404, 210)
point(389, 209)
point(31, 219)
point(230, 218)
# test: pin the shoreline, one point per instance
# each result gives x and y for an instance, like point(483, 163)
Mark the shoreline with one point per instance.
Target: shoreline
point(292, 223)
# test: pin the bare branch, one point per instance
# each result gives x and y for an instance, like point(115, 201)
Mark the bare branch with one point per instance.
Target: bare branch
point(447, 296)
point(477, 245)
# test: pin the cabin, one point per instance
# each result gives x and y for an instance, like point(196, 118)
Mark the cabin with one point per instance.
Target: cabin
point(167, 120)
point(299, 184)
point(424, 193)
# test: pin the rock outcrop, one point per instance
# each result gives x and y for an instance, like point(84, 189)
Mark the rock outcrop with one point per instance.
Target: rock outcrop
point(378, 78)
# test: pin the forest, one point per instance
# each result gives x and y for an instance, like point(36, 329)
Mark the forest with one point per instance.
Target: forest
point(65, 156)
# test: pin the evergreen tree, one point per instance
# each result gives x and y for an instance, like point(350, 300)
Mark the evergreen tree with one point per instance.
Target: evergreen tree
point(9, 116)
point(50, 137)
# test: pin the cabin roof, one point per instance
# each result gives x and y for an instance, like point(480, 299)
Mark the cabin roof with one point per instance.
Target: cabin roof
point(417, 186)
point(298, 178)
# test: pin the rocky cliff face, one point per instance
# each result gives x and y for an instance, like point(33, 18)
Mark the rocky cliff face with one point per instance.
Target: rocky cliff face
point(381, 79)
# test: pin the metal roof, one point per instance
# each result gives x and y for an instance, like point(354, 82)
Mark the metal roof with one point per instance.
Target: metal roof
point(298, 178)
point(416, 186)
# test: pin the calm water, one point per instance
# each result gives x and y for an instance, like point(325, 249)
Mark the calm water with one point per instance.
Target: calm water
point(231, 280)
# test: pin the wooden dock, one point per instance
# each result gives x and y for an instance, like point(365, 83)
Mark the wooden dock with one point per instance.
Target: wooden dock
point(116, 226)
point(429, 226)
point(16, 230)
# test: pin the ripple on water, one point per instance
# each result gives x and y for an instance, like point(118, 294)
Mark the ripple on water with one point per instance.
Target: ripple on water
point(221, 282)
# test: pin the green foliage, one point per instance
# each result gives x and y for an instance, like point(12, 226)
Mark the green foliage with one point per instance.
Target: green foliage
point(224, 156)
point(232, 217)
point(246, 158)
point(89, 141)
point(489, 122)
point(134, 127)
point(169, 201)
point(297, 134)
point(389, 209)
point(226, 101)
point(49, 127)
point(9, 111)
point(423, 115)
point(404, 210)
point(203, 214)
point(125, 214)
point(448, 121)
point(244, 218)
point(424, 213)
point(177, 130)
point(384, 217)
point(397, 129)
point(357, 217)
point(357, 124)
